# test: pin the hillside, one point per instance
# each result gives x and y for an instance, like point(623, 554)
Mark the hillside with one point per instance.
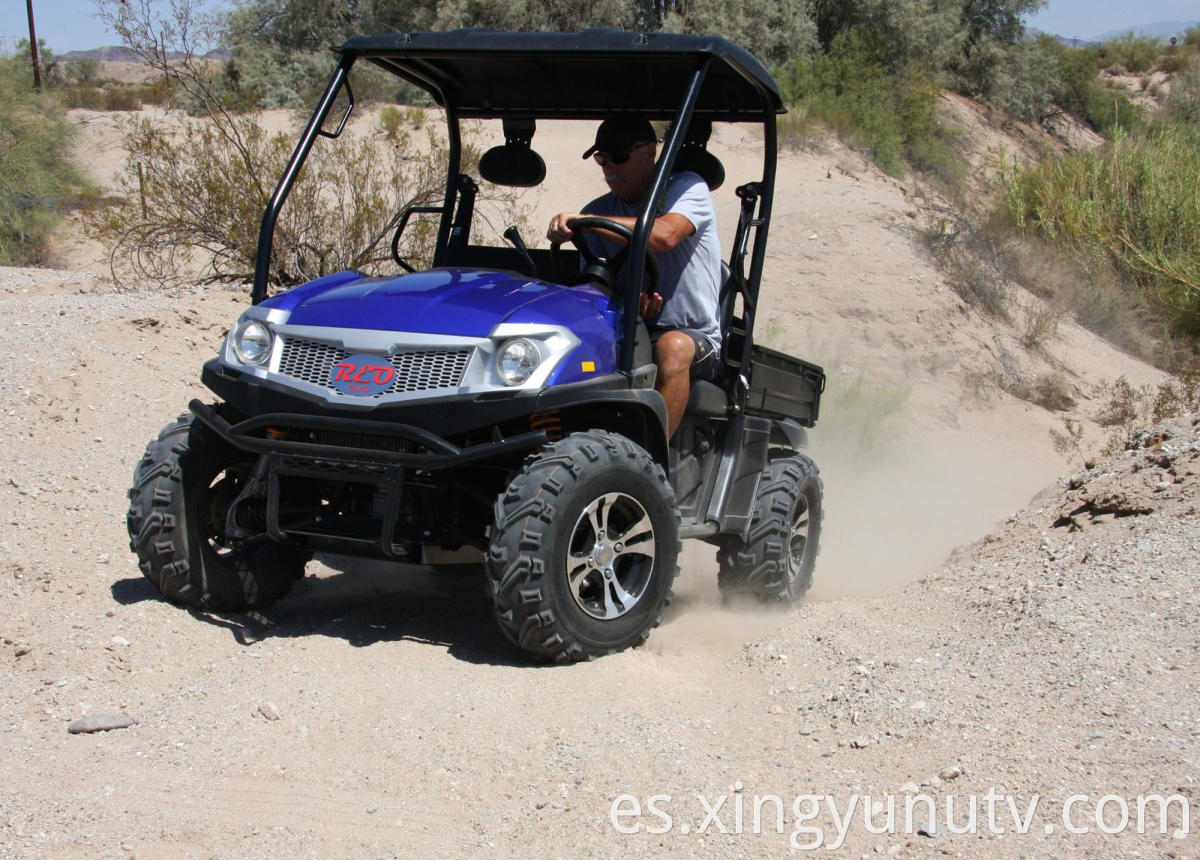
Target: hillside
point(960, 637)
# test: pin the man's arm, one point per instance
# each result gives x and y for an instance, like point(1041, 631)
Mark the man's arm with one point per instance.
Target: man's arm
point(665, 234)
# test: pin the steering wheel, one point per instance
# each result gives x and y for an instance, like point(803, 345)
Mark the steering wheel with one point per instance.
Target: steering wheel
point(596, 267)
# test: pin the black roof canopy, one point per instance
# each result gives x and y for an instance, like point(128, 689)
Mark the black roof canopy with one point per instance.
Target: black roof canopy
point(588, 75)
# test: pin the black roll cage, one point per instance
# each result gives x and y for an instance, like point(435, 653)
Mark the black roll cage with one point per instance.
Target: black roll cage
point(720, 81)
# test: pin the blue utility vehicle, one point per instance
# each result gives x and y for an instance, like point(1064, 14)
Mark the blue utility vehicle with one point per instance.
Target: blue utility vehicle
point(503, 399)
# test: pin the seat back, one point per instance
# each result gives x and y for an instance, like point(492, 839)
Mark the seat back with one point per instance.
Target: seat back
point(693, 155)
point(514, 164)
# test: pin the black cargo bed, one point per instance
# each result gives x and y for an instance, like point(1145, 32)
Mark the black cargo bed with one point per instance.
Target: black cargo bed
point(784, 387)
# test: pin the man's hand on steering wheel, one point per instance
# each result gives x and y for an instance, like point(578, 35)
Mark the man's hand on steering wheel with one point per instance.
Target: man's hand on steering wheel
point(569, 226)
point(559, 230)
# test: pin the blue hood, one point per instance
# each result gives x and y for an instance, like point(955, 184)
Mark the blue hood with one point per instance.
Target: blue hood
point(460, 302)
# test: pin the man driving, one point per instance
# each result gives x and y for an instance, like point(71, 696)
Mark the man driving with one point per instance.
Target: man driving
point(683, 315)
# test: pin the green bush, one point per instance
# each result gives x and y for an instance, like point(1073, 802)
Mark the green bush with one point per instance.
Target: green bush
point(1026, 85)
point(1179, 58)
point(1184, 100)
point(39, 181)
point(1077, 89)
point(390, 119)
point(1134, 204)
point(83, 70)
point(891, 116)
point(1131, 52)
point(82, 96)
point(121, 98)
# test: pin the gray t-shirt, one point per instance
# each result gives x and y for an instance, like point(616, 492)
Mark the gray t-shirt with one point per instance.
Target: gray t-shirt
point(690, 274)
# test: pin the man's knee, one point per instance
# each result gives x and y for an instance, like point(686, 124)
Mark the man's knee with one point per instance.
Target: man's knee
point(674, 353)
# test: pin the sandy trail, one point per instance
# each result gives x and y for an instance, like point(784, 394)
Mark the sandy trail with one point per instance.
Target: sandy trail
point(406, 725)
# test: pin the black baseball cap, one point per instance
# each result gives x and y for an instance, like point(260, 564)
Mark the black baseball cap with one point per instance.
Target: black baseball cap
point(620, 134)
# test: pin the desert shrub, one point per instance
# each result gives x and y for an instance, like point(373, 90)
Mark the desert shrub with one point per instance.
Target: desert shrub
point(1178, 58)
point(1134, 204)
point(39, 180)
point(972, 260)
point(156, 91)
point(775, 31)
point(1130, 410)
point(1039, 325)
point(1090, 293)
point(1132, 52)
point(1127, 410)
point(1191, 36)
point(1077, 89)
point(200, 195)
point(891, 116)
point(121, 98)
point(1026, 84)
point(84, 70)
point(390, 120)
point(82, 96)
point(1052, 391)
point(1184, 100)
point(1070, 439)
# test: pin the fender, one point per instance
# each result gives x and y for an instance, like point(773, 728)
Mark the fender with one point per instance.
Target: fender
point(786, 433)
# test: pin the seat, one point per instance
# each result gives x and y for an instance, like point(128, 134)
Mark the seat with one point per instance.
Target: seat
point(706, 400)
point(693, 155)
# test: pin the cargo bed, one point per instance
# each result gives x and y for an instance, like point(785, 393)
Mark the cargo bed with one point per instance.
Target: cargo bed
point(784, 387)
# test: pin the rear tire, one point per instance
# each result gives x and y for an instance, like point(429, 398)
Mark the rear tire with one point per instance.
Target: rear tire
point(181, 490)
point(775, 562)
point(583, 548)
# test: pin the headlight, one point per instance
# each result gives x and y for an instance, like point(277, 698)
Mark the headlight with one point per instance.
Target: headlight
point(516, 360)
point(252, 342)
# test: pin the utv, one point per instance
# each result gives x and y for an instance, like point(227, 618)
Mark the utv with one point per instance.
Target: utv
point(503, 399)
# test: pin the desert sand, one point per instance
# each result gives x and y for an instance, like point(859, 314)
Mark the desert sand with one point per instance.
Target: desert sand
point(956, 642)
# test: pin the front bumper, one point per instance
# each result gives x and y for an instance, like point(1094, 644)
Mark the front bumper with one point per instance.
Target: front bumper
point(417, 448)
point(399, 453)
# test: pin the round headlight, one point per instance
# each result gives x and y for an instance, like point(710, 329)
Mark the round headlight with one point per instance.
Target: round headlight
point(516, 360)
point(252, 342)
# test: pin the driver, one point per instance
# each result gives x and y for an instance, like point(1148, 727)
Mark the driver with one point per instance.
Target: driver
point(683, 315)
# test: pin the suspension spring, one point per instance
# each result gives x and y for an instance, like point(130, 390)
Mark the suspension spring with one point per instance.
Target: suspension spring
point(550, 421)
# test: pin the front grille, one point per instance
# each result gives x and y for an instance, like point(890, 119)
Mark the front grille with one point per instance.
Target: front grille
point(416, 370)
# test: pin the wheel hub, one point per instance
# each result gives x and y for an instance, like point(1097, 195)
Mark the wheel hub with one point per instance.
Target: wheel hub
point(611, 556)
point(603, 555)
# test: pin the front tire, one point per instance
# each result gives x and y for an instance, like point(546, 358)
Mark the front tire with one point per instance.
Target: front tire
point(584, 547)
point(775, 562)
point(181, 491)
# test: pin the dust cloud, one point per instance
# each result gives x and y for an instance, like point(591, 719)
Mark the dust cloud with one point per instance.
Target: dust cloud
point(892, 516)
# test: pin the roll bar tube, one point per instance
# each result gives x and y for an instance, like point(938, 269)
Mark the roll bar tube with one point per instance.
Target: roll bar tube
point(641, 231)
point(759, 252)
point(266, 233)
point(454, 144)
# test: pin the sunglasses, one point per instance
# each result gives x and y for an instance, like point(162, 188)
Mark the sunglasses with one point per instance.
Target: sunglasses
point(603, 158)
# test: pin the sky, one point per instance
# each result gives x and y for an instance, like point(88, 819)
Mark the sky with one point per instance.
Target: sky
point(1085, 19)
point(71, 25)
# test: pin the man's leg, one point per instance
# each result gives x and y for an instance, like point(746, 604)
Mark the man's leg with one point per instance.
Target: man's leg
point(674, 354)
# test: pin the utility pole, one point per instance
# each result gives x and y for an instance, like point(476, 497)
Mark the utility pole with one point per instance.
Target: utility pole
point(33, 54)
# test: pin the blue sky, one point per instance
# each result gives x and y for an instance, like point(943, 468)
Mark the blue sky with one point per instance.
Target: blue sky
point(1084, 19)
point(69, 25)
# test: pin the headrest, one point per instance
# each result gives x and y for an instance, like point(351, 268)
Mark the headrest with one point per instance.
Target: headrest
point(514, 163)
point(703, 162)
point(694, 154)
